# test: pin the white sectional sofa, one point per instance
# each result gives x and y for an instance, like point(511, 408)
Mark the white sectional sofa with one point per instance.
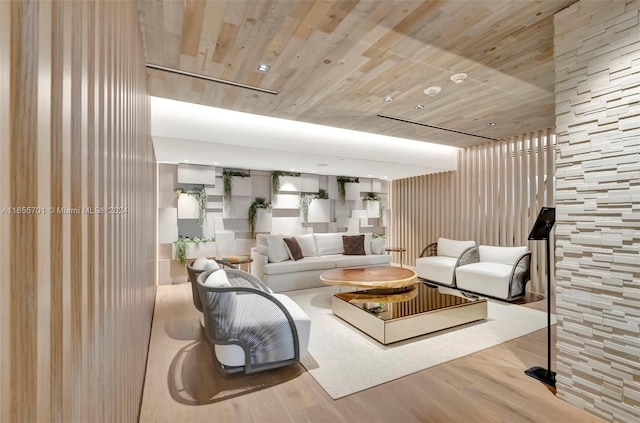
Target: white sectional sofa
point(499, 272)
point(273, 264)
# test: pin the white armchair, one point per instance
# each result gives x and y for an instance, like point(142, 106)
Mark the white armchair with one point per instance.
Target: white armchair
point(438, 261)
point(499, 272)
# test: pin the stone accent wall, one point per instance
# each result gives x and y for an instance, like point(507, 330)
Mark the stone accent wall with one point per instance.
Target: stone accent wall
point(597, 57)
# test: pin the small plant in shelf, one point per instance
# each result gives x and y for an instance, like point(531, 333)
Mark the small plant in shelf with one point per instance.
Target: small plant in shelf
point(342, 192)
point(275, 181)
point(201, 196)
point(258, 203)
point(227, 181)
point(180, 245)
point(372, 196)
point(306, 199)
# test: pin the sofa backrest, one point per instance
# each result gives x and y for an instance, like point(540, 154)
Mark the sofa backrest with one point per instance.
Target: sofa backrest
point(452, 248)
point(504, 255)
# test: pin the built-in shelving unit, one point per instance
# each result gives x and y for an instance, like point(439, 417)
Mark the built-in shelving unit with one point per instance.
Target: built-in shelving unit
point(227, 219)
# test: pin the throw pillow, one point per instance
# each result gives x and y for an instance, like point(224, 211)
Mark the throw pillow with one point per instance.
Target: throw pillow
point(353, 245)
point(307, 245)
point(277, 250)
point(211, 265)
point(200, 263)
point(218, 279)
point(293, 248)
point(328, 243)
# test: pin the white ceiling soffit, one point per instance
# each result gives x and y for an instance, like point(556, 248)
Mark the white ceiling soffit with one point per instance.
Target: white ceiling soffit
point(204, 135)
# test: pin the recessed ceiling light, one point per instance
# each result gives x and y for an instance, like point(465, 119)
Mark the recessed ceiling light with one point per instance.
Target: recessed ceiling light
point(458, 77)
point(313, 171)
point(386, 177)
point(264, 68)
point(216, 163)
point(433, 90)
point(292, 169)
point(186, 160)
point(369, 176)
point(322, 164)
point(491, 124)
point(419, 107)
point(388, 99)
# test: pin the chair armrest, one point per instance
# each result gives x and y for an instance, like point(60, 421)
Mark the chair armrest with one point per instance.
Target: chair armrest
point(468, 256)
point(430, 250)
point(520, 275)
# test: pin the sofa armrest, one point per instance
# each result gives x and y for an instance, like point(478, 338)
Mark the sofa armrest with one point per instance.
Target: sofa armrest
point(257, 266)
point(430, 250)
point(468, 256)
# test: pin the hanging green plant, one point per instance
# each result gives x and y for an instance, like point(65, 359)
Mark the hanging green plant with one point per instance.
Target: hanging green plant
point(227, 181)
point(180, 245)
point(342, 180)
point(275, 181)
point(372, 196)
point(202, 197)
point(306, 199)
point(258, 203)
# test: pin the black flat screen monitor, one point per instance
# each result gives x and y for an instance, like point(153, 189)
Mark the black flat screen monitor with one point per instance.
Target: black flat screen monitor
point(544, 223)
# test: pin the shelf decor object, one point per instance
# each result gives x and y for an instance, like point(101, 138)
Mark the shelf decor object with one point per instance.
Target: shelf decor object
point(258, 203)
point(541, 231)
point(342, 180)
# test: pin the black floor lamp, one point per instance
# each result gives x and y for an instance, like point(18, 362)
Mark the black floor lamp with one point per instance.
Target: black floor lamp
point(540, 231)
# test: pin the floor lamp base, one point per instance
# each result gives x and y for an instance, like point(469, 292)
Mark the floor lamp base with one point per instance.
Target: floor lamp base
point(543, 375)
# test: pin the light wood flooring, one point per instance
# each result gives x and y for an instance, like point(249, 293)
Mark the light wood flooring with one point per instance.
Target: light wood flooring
point(183, 385)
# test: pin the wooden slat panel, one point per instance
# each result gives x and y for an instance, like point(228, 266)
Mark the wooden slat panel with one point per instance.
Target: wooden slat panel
point(493, 198)
point(74, 133)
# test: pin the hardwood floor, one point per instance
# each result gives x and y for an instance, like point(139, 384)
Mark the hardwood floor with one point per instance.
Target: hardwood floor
point(182, 384)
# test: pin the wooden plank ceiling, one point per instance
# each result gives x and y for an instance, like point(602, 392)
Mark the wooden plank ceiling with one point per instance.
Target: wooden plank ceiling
point(333, 62)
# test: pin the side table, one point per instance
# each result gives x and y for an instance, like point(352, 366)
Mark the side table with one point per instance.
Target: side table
point(396, 250)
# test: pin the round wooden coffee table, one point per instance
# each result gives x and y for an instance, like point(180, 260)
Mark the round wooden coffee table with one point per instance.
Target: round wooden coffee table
point(380, 277)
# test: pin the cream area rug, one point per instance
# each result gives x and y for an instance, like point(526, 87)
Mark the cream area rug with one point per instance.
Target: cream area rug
point(344, 360)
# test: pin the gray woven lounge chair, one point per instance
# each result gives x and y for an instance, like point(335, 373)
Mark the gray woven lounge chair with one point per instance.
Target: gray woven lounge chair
point(193, 275)
point(250, 328)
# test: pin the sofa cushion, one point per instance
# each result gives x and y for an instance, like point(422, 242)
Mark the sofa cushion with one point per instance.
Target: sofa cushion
point(277, 251)
point(453, 248)
point(328, 243)
point(353, 245)
point(293, 248)
point(261, 239)
point(370, 260)
point(485, 278)
point(503, 255)
point(307, 245)
point(307, 263)
point(436, 268)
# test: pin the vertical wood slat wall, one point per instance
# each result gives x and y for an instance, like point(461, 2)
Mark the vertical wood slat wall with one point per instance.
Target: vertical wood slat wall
point(77, 288)
point(471, 203)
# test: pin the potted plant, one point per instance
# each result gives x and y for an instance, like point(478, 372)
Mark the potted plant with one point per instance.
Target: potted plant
point(342, 180)
point(227, 181)
point(202, 197)
point(372, 196)
point(181, 246)
point(275, 181)
point(258, 203)
point(306, 199)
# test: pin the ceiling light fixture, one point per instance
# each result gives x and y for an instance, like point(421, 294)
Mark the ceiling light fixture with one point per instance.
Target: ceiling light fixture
point(313, 171)
point(292, 169)
point(216, 163)
point(186, 160)
point(419, 107)
point(264, 68)
point(388, 99)
point(491, 124)
point(432, 91)
point(322, 164)
point(459, 78)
